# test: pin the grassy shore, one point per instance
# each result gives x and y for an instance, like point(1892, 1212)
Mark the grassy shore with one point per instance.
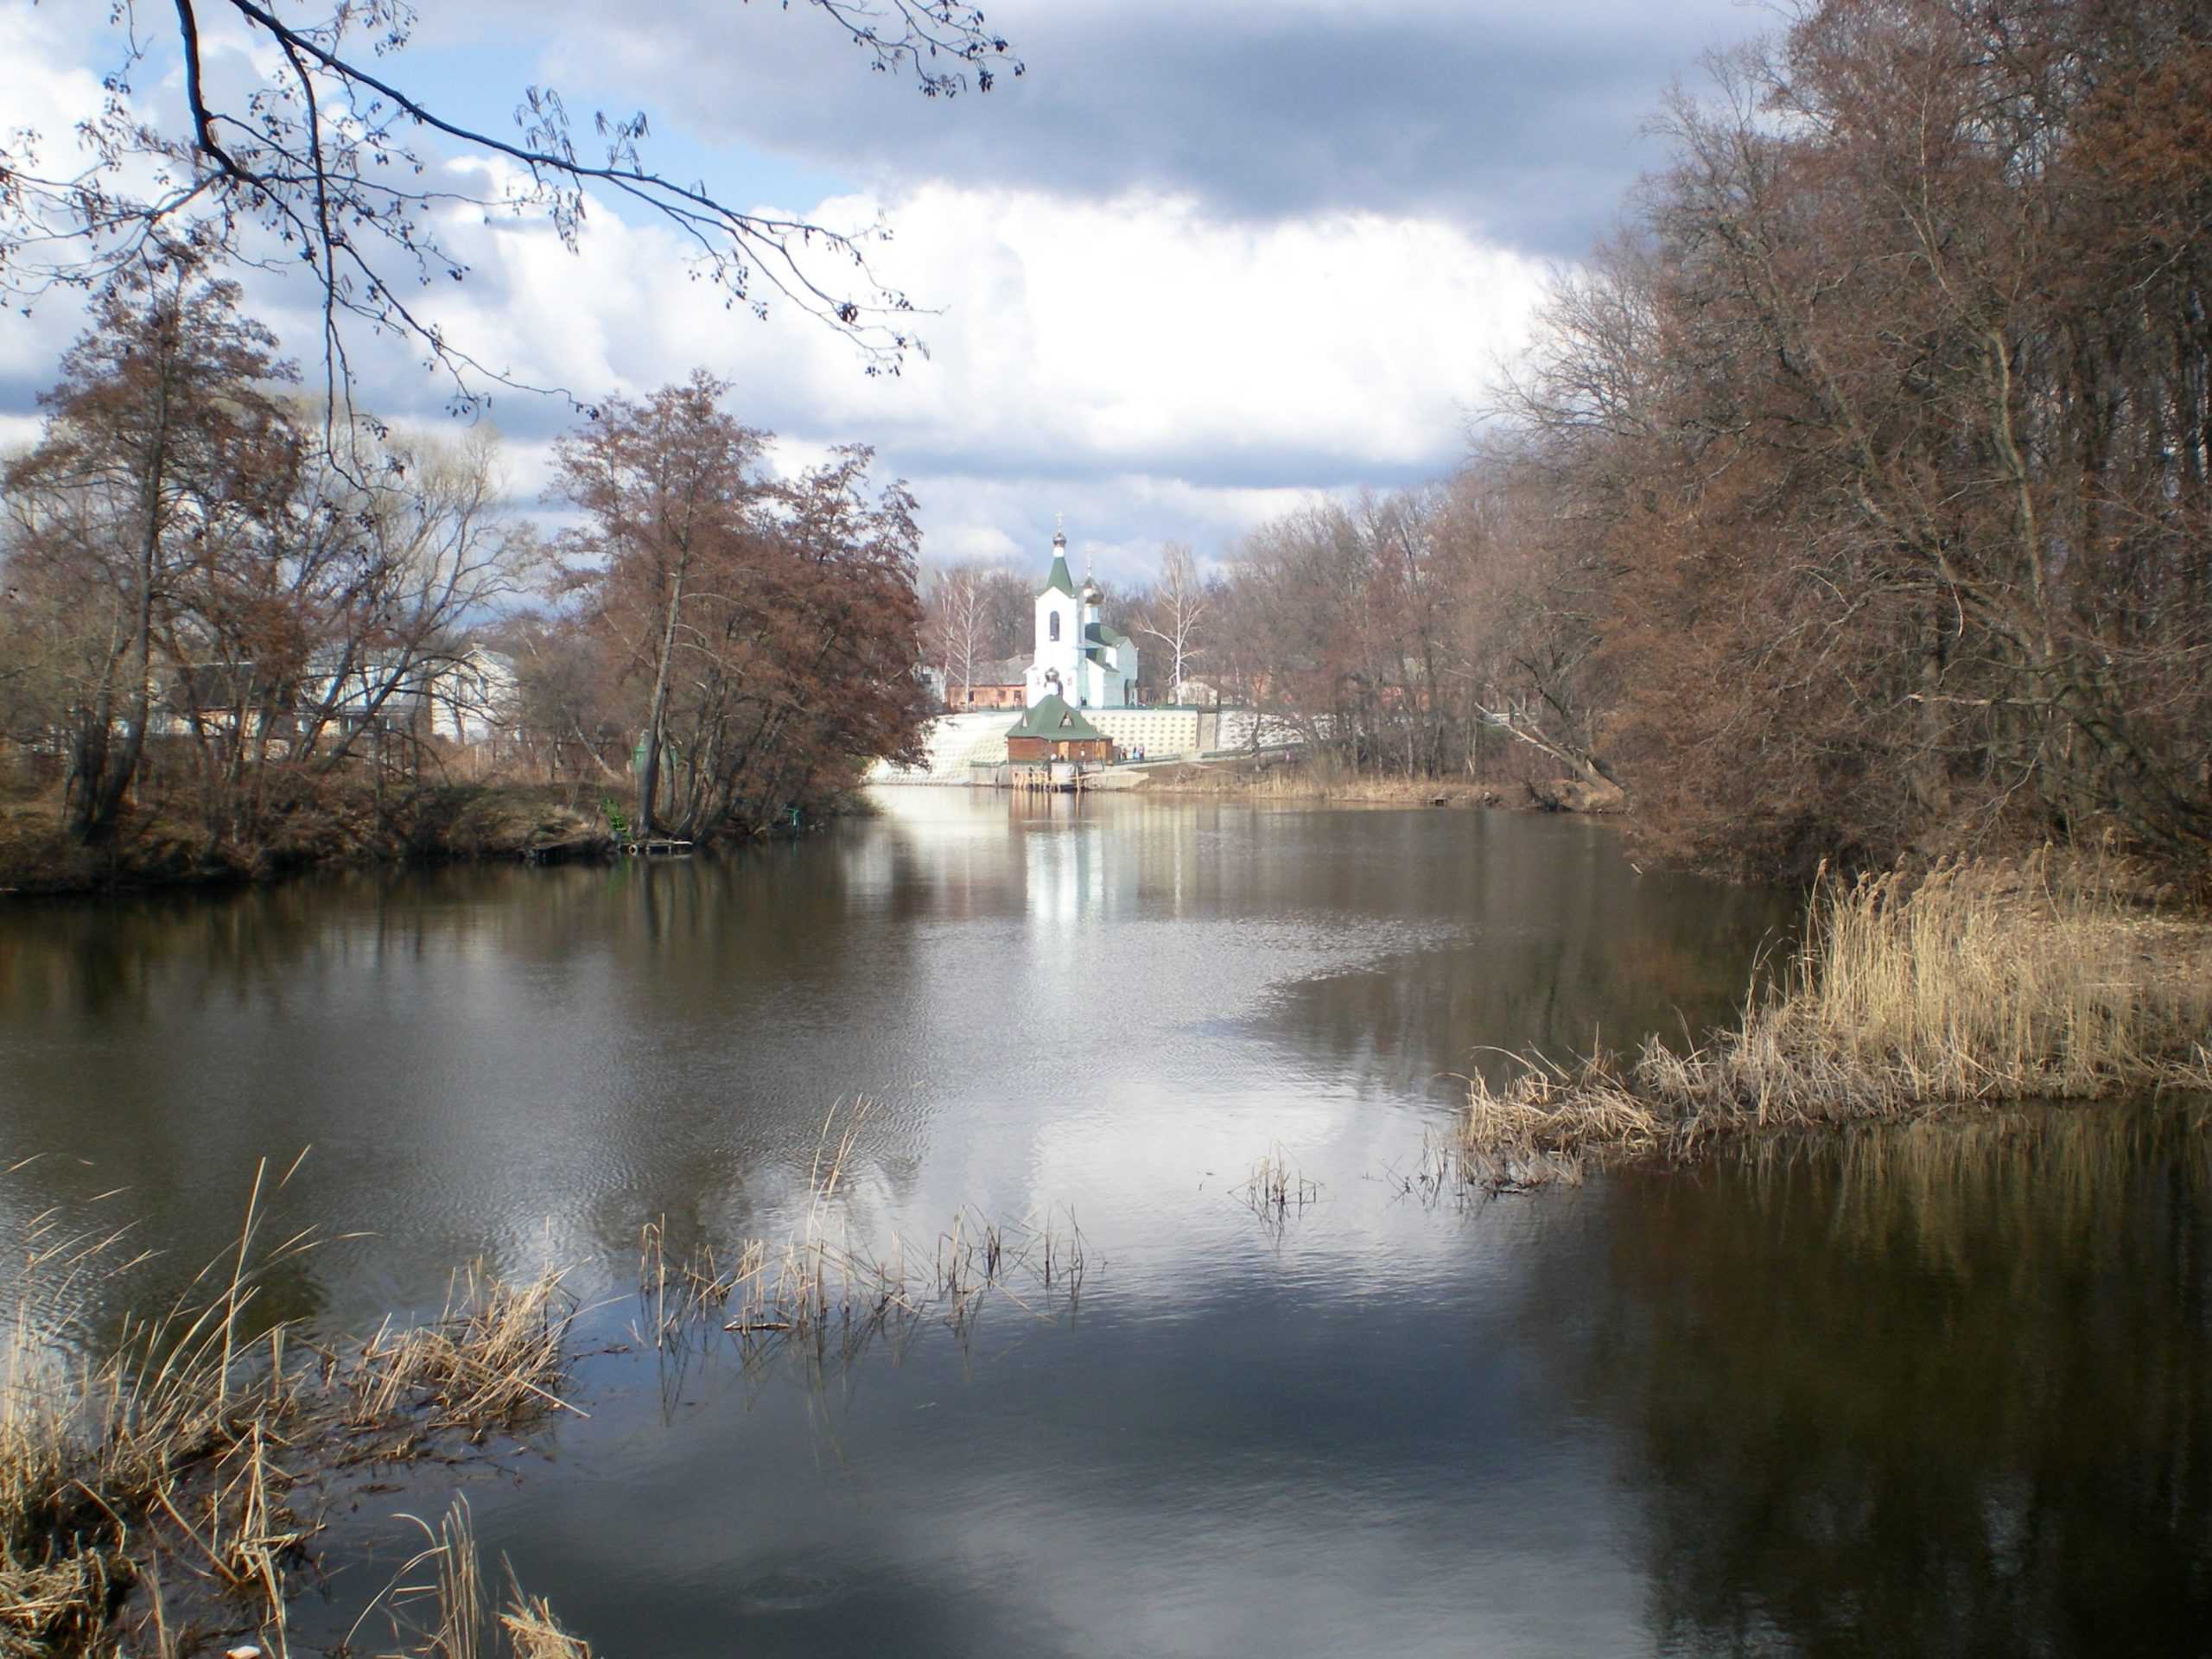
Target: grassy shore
point(1298, 780)
point(1977, 982)
point(337, 829)
point(1280, 778)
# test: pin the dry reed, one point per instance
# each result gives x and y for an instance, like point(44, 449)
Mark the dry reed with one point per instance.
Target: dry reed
point(1981, 981)
point(439, 1608)
point(1315, 780)
point(494, 1359)
point(822, 1289)
point(178, 1451)
point(1277, 1187)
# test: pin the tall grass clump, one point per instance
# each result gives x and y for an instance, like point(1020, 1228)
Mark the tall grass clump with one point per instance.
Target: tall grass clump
point(174, 1434)
point(170, 1461)
point(492, 1358)
point(1980, 982)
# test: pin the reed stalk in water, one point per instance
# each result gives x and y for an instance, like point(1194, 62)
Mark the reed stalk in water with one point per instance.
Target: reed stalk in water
point(439, 1608)
point(824, 1289)
point(168, 1464)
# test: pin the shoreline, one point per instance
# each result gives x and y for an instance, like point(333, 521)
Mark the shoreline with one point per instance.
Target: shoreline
point(1980, 984)
point(463, 824)
point(156, 851)
point(437, 825)
point(1295, 781)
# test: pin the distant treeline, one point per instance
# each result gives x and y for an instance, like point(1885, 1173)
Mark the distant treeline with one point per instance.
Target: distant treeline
point(222, 606)
point(1853, 498)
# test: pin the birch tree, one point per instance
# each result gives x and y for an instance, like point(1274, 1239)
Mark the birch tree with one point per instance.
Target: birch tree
point(1174, 613)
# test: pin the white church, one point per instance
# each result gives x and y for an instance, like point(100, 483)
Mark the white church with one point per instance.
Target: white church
point(1077, 657)
point(1088, 667)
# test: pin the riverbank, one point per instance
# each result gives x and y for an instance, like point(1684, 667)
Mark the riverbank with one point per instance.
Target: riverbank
point(1975, 983)
point(337, 829)
point(437, 823)
point(1281, 779)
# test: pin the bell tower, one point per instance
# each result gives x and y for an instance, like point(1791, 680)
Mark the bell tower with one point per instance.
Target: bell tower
point(1059, 630)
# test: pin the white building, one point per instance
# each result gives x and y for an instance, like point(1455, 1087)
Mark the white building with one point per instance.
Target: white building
point(465, 698)
point(1087, 663)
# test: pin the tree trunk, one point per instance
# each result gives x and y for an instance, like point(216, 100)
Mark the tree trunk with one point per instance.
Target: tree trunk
point(657, 717)
point(102, 802)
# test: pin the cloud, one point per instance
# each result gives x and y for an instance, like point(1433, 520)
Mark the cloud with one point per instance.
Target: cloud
point(1193, 369)
point(1519, 122)
point(1197, 265)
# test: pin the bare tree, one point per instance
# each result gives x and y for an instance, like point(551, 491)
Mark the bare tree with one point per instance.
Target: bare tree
point(1176, 607)
point(315, 161)
point(392, 571)
point(956, 624)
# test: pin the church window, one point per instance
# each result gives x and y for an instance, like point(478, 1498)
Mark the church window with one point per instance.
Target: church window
point(1055, 625)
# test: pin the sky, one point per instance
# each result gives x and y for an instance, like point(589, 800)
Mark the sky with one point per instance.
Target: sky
point(1196, 266)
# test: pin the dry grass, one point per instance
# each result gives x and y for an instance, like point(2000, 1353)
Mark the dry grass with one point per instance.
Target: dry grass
point(1981, 983)
point(494, 1359)
point(173, 1435)
point(172, 1463)
point(1310, 780)
point(827, 1294)
point(831, 1293)
point(1277, 1187)
point(439, 1608)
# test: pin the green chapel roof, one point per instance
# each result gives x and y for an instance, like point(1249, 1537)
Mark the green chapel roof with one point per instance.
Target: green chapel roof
point(1052, 718)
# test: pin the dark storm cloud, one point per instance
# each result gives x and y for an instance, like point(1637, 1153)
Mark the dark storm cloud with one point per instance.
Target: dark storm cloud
point(1519, 121)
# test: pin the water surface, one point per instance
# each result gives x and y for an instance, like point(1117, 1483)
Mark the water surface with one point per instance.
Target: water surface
point(1943, 1391)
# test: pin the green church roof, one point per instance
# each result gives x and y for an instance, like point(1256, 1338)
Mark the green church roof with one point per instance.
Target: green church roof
point(1059, 577)
point(1052, 718)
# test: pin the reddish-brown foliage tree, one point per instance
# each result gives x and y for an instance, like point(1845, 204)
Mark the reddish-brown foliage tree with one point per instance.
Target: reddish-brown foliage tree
point(162, 443)
point(763, 637)
point(1859, 497)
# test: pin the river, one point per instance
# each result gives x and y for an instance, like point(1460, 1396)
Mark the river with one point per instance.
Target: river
point(1940, 1391)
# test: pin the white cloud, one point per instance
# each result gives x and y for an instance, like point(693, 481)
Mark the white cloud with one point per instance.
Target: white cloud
point(1156, 368)
point(1155, 372)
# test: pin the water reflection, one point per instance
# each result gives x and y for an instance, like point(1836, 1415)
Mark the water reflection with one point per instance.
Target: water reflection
point(1931, 1390)
point(514, 1062)
point(1946, 1389)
